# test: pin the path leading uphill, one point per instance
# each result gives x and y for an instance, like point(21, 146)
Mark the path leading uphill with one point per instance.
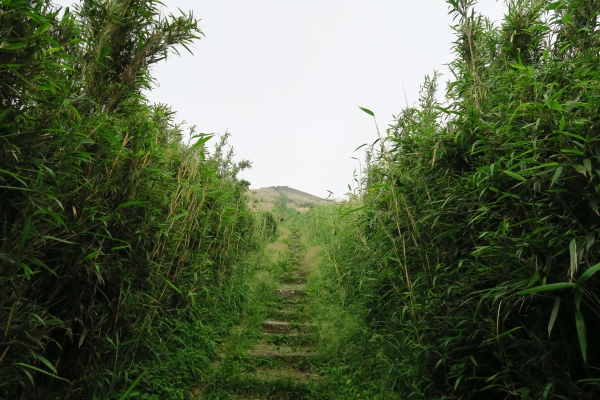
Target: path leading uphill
point(272, 355)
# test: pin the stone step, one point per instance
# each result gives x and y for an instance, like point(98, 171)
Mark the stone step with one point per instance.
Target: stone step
point(284, 327)
point(289, 339)
point(291, 291)
point(270, 375)
point(293, 313)
point(296, 278)
point(287, 354)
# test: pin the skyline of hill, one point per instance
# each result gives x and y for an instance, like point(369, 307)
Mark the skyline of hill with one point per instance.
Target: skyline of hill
point(266, 198)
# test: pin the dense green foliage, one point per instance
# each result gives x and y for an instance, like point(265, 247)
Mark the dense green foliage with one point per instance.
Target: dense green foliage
point(472, 249)
point(118, 243)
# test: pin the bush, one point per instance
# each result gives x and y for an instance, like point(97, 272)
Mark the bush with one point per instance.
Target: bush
point(118, 243)
point(476, 251)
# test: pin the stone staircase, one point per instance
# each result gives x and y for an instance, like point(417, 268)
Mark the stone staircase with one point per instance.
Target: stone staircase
point(288, 337)
point(281, 363)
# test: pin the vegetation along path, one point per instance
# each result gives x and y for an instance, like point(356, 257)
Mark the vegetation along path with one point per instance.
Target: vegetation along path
point(273, 352)
point(465, 265)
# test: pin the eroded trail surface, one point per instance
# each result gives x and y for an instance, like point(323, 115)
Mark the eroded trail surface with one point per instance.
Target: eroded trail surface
point(288, 335)
point(273, 353)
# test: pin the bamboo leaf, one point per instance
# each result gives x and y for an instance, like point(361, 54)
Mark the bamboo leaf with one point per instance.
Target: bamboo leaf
point(367, 111)
point(201, 141)
point(588, 274)
point(57, 239)
point(513, 175)
point(131, 203)
point(556, 175)
point(40, 370)
point(361, 146)
point(573, 257)
point(580, 168)
point(176, 217)
point(168, 282)
point(547, 288)
point(46, 362)
point(24, 233)
point(133, 385)
point(5, 113)
point(553, 315)
point(580, 323)
point(588, 165)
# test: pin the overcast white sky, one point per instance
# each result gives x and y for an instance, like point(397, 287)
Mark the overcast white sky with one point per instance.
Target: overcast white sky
point(286, 78)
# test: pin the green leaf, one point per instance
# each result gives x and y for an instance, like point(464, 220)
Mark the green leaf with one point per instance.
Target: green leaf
point(58, 239)
point(588, 165)
point(176, 217)
point(547, 288)
point(168, 282)
point(513, 175)
point(446, 111)
point(131, 203)
point(553, 315)
point(40, 370)
point(13, 46)
point(556, 175)
point(588, 274)
point(367, 111)
point(359, 147)
point(580, 323)
point(473, 361)
point(208, 173)
point(5, 113)
point(15, 176)
point(457, 382)
point(45, 361)
point(593, 205)
point(201, 141)
point(5, 257)
point(76, 113)
point(133, 385)
point(580, 168)
point(24, 233)
point(552, 164)
point(590, 241)
point(561, 125)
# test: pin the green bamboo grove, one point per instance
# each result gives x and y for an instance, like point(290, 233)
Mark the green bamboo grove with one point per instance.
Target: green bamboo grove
point(472, 247)
point(463, 267)
point(118, 243)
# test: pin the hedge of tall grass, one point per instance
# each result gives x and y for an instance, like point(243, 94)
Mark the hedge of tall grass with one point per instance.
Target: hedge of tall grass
point(476, 234)
point(118, 242)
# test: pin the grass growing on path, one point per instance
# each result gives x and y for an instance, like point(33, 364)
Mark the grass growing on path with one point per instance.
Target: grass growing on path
point(293, 331)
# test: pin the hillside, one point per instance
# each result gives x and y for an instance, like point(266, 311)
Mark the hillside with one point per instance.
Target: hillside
point(266, 198)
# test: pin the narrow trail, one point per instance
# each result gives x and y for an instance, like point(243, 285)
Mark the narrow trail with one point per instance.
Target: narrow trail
point(288, 334)
point(273, 353)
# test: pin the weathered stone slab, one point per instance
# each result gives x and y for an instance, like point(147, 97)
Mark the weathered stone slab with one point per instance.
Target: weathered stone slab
point(291, 291)
point(284, 327)
point(269, 375)
point(296, 278)
point(284, 353)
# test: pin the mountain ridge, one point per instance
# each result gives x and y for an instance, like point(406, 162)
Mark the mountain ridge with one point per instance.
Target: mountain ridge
point(266, 198)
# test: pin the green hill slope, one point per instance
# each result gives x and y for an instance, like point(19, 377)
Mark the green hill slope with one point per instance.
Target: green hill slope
point(266, 198)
